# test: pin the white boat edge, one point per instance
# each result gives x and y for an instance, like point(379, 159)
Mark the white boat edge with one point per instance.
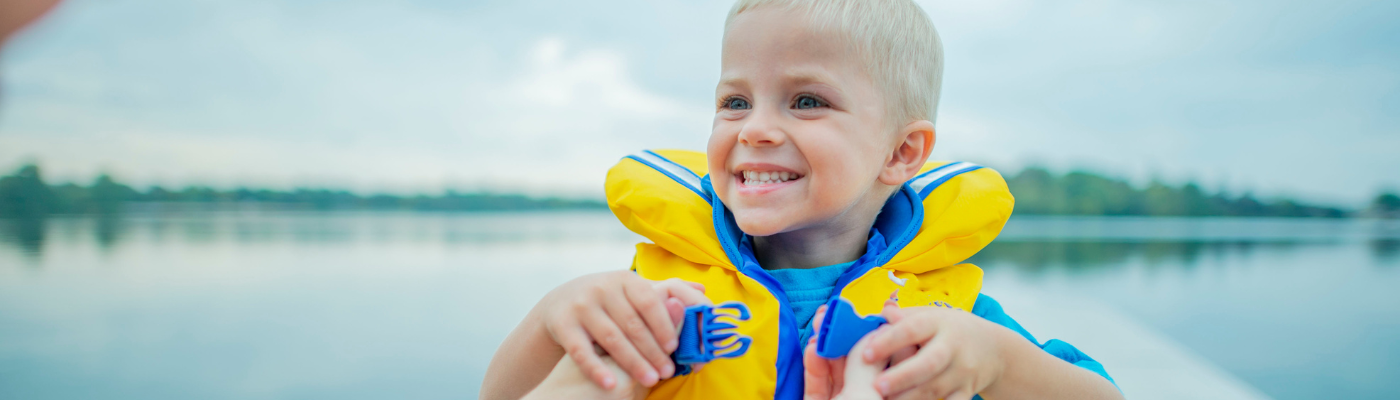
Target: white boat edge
point(1145, 364)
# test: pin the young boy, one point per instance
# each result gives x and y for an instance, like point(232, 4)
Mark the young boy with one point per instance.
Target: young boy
point(814, 186)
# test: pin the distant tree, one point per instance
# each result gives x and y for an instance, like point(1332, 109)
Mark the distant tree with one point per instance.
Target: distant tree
point(1037, 191)
point(108, 195)
point(1387, 205)
point(1162, 200)
point(24, 194)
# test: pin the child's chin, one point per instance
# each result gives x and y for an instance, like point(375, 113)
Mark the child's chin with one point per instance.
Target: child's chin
point(760, 225)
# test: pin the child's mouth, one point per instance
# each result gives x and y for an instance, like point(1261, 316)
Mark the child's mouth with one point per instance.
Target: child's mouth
point(760, 178)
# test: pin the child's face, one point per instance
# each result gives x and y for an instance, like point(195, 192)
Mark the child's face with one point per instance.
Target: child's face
point(798, 107)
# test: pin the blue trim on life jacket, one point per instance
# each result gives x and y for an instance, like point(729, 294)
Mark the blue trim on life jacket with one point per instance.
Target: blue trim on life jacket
point(789, 364)
point(900, 219)
point(726, 230)
point(926, 182)
point(677, 172)
point(873, 247)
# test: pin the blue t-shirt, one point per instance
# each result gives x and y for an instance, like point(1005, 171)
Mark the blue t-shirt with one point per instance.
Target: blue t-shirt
point(808, 289)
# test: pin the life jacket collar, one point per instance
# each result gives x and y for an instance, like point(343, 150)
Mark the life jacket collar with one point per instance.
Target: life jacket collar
point(899, 218)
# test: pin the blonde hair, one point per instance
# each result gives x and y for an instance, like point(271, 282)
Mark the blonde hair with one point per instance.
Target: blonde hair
point(895, 39)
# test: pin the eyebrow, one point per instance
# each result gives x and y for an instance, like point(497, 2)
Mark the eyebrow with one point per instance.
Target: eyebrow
point(733, 81)
point(800, 77)
point(806, 77)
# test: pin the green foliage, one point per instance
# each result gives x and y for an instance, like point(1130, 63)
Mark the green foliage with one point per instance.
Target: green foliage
point(1387, 205)
point(25, 194)
point(1038, 191)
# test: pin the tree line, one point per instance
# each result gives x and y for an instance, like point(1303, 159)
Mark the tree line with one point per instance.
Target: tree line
point(1038, 191)
point(25, 194)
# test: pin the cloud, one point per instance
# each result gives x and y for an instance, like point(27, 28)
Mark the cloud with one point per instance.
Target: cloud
point(1297, 97)
point(315, 104)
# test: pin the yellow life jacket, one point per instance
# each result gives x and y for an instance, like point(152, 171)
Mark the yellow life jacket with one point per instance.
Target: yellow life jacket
point(947, 213)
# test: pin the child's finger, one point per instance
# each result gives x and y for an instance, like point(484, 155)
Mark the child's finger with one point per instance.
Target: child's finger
point(892, 313)
point(859, 376)
point(838, 373)
point(676, 311)
point(943, 386)
point(819, 316)
point(615, 342)
point(930, 362)
point(960, 395)
point(687, 292)
point(816, 373)
point(639, 339)
point(652, 308)
point(903, 354)
point(580, 349)
point(911, 330)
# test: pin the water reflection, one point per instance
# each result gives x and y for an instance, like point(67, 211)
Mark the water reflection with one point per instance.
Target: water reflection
point(1088, 256)
point(1032, 243)
point(427, 296)
point(110, 231)
point(25, 233)
point(1386, 251)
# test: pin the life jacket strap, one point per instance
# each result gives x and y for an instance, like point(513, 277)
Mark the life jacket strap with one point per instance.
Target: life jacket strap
point(841, 328)
point(703, 337)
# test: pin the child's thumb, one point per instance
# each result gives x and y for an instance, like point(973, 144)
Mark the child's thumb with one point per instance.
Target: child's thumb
point(860, 375)
point(816, 374)
point(676, 310)
point(892, 313)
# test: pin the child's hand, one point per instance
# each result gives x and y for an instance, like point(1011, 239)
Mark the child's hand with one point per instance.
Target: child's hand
point(959, 354)
point(859, 375)
point(821, 378)
point(626, 315)
point(567, 381)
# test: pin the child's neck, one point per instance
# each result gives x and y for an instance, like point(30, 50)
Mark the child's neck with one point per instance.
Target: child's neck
point(840, 239)
point(813, 247)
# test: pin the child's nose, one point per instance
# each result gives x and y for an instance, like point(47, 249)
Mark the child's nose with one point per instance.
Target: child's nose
point(761, 131)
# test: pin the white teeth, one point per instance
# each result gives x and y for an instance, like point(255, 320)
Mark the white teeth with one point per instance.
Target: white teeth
point(753, 178)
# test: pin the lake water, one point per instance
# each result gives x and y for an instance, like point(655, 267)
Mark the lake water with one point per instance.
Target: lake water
point(239, 305)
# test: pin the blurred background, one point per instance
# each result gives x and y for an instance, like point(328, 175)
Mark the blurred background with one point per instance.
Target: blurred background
point(355, 199)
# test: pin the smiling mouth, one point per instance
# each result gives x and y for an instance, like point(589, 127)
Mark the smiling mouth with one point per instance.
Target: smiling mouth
point(760, 178)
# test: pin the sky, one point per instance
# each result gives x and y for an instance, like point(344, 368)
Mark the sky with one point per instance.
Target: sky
point(1274, 97)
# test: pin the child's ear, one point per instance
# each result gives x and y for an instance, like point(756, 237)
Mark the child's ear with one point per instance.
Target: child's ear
point(910, 152)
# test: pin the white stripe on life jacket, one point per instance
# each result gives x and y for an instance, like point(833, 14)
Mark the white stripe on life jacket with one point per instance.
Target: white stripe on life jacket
point(679, 173)
point(926, 182)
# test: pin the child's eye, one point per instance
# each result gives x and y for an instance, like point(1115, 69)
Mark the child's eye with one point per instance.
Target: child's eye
point(736, 103)
point(807, 102)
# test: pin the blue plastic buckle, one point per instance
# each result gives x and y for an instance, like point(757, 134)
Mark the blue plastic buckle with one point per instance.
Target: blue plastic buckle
point(701, 337)
point(842, 328)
